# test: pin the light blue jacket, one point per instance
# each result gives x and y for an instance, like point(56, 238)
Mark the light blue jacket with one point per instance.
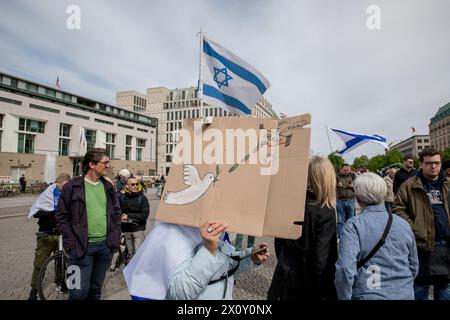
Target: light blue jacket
point(391, 271)
point(190, 279)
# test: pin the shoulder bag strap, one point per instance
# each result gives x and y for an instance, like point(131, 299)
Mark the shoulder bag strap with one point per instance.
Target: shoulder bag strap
point(379, 244)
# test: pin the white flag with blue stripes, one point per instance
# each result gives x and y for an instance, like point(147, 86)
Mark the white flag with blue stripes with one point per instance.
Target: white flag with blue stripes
point(353, 140)
point(228, 80)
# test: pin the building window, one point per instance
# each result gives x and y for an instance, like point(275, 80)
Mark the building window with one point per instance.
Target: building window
point(110, 144)
point(1, 120)
point(29, 125)
point(138, 154)
point(128, 140)
point(25, 143)
point(425, 140)
point(128, 153)
point(64, 133)
point(140, 143)
point(64, 130)
point(63, 147)
point(168, 158)
point(51, 93)
point(419, 140)
point(91, 136)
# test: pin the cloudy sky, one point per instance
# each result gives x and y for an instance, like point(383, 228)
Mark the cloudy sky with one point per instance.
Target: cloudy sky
point(319, 56)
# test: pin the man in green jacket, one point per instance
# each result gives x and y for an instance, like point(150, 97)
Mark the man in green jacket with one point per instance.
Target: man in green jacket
point(423, 202)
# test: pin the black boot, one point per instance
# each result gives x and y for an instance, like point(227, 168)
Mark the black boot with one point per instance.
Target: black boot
point(33, 294)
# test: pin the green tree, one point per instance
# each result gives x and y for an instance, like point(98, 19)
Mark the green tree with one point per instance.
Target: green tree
point(446, 153)
point(376, 163)
point(393, 157)
point(336, 160)
point(360, 162)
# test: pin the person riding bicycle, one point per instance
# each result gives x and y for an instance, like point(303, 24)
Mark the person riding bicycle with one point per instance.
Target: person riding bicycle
point(47, 240)
point(135, 211)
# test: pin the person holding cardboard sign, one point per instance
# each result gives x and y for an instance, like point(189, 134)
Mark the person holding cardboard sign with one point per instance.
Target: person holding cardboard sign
point(189, 263)
point(208, 274)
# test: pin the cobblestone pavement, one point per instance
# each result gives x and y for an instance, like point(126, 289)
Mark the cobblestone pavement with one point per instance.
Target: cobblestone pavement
point(17, 244)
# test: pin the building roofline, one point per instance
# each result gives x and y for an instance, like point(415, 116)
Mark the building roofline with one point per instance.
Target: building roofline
point(75, 95)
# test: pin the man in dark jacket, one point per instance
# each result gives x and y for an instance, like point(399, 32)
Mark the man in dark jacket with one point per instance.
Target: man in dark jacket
point(404, 173)
point(88, 216)
point(23, 183)
point(46, 239)
point(423, 202)
point(345, 204)
point(135, 211)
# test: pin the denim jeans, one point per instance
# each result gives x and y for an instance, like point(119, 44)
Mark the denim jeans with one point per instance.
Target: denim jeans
point(345, 210)
point(93, 268)
point(441, 292)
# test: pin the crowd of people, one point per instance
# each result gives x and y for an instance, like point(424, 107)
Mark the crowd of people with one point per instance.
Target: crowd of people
point(397, 247)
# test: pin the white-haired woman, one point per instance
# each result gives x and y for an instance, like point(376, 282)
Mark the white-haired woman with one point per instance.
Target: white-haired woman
point(369, 268)
point(305, 268)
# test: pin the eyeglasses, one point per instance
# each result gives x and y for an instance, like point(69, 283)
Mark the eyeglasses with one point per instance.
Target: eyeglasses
point(430, 163)
point(134, 184)
point(106, 163)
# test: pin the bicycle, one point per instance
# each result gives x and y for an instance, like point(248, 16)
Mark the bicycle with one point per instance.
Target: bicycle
point(7, 189)
point(39, 187)
point(52, 281)
point(123, 255)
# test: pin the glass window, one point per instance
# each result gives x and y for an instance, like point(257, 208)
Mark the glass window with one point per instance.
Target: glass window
point(31, 125)
point(50, 92)
point(128, 140)
point(32, 87)
point(64, 130)
point(25, 143)
point(63, 147)
point(140, 143)
point(1, 120)
point(138, 154)
point(110, 138)
point(6, 80)
point(128, 153)
point(110, 150)
point(91, 136)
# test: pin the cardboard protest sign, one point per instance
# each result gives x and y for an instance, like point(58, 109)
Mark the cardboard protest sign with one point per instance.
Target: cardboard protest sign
point(249, 172)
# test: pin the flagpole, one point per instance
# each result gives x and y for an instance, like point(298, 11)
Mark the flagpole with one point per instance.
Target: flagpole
point(200, 82)
point(329, 141)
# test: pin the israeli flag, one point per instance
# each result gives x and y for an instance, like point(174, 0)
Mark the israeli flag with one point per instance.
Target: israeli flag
point(353, 140)
point(47, 200)
point(228, 80)
point(149, 272)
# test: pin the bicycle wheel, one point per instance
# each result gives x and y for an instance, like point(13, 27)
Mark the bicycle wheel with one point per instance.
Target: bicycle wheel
point(52, 279)
point(35, 189)
point(15, 191)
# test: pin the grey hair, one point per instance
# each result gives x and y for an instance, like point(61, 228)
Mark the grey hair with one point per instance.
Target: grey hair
point(370, 189)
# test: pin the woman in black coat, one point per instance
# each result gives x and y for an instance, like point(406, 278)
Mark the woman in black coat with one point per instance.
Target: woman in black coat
point(305, 268)
point(135, 211)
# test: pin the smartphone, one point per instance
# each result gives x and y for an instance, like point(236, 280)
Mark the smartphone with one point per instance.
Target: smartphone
point(262, 249)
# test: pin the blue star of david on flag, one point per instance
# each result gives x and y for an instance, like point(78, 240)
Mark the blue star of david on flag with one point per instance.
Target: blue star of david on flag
point(226, 77)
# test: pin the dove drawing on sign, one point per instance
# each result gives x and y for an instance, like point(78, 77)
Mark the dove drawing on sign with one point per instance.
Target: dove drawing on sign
point(196, 186)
